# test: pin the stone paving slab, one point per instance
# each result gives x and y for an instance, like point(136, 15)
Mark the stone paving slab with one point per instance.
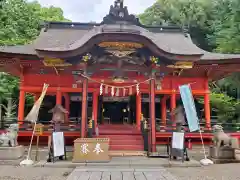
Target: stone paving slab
point(120, 174)
point(130, 162)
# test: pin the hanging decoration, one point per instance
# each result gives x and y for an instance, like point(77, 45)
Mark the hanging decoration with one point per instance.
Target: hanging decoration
point(117, 92)
point(130, 91)
point(137, 89)
point(112, 92)
point(106, 89)
point(124, 89)
point(124, 92)
point(101, 89)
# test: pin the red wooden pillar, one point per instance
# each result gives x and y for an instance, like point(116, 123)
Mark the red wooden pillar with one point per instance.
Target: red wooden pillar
point(173, 102)
point(207, 106)
point(59, 97)
point(84, 108)
point(95, 107)
point(164, 111)
point(67, 106)
point(21, 107)
point(138, 110)
point(173, 106)
point(152, 115)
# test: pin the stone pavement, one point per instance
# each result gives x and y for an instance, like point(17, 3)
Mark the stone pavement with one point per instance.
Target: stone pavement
point(32, 173)
point(118, 173)
point(127, 162)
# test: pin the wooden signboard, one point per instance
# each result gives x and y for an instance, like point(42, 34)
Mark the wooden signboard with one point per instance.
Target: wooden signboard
point(91, 150)
point(38, 132)
point(177, 145)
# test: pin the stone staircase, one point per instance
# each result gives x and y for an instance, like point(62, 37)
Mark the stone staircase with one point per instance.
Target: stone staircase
point(122, 137)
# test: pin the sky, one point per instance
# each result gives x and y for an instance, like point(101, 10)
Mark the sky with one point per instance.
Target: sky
point(93, 10)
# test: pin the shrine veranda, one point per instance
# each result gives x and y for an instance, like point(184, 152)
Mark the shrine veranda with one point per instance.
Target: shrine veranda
point(113, 72)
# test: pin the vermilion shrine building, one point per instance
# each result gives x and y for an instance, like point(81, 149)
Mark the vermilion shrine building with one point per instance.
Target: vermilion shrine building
point(112, 61)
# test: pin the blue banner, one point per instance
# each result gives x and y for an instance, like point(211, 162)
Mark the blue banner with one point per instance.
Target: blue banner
point(189, 106)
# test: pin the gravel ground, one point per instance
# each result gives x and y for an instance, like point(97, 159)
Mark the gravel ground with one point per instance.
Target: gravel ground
point(32, 173)
point(9, 170)
point(214, 172)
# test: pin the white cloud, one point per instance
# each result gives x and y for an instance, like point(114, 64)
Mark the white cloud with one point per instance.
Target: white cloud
point(93, 10)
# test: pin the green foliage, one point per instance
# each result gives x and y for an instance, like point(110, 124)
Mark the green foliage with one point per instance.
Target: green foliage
point(225, 25)
point(20, 24)
point(20, 20)
point(192, 14)
point(214, 26)
point(224, 106)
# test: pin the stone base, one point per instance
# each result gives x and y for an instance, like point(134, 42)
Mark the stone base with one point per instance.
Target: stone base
point(11, 153)
point(224, 161)
point(224, 153)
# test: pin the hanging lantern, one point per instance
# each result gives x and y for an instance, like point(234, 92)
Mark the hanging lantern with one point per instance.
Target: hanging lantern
point(117, 92)
point(130, 91)
point(124, 92)
point(112, 92)
point(101, 89)
point(137, 89)
point(106, 89)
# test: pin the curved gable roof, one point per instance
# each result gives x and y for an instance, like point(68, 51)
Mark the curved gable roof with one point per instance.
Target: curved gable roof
point(175, 43)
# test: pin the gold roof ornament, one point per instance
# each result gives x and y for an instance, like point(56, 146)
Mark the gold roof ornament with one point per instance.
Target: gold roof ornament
point(55, 62)
point(120, 53)
point(121, 45)
point(182, 65)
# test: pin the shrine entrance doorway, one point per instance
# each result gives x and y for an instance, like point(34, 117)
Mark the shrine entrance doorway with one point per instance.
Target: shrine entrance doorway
point(117, 110)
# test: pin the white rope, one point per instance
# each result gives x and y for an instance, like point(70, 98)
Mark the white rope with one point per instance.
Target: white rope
point(129, 86)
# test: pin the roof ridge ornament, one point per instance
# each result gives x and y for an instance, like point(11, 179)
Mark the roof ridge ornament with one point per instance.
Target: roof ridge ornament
point(118, 14)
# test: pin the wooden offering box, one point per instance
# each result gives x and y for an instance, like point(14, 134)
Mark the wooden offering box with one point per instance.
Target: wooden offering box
point(91, 150)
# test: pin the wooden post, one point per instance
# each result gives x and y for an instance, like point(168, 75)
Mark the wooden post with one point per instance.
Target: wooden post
point(207, 109)
point(67, 106)
point(95, 108)
point(152, 115)
point(84, 109)
point(37, 144)
point(138, 110)
point(164, 111)
point(173, 102)
point(21, 107)
point(173, 106)
point(38, 132)
point(59, 97)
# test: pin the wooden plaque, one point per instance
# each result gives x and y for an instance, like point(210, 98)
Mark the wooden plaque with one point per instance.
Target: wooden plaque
point(38, 130)
point(91, 150)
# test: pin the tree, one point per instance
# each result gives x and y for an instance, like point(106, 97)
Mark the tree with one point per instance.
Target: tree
point(225, 25)
point(20, 24)
point(20, 20)
point(192, 14)
point(214, 26)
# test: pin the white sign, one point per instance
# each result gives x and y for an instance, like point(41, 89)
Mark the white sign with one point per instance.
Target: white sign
point(178, 140)
point(58, 144)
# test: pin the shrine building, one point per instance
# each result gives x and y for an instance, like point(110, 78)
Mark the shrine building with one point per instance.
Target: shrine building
point(114, 72)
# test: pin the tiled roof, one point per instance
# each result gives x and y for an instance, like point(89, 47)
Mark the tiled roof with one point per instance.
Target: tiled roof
point(67, 37)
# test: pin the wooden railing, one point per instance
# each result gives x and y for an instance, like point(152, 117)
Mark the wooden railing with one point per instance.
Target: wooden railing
point(227, 127)
point(76, 126)
point(27, 126)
